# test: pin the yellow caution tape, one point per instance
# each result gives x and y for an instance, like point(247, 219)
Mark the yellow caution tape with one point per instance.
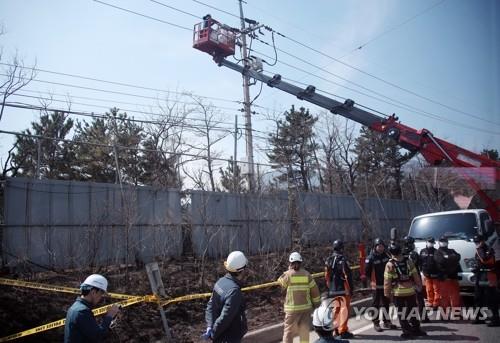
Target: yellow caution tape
point(97, 312)
point(129, 300)
point(62, 289)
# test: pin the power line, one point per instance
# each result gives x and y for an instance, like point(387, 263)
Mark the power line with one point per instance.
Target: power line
point(404, 106)
point(217, 9)
point(395, 27)
point(145, 16)
point(119, 83)
point(176, 9)
point(104, 116)
point(71, 96)
point(121, 147)
point(385, 81)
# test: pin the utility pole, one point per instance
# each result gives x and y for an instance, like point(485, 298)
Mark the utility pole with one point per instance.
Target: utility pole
point(246, 104)
point(235, 164)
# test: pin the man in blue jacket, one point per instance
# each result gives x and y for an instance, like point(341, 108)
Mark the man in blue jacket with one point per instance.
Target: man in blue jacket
point(225, 313)
point(81, 325)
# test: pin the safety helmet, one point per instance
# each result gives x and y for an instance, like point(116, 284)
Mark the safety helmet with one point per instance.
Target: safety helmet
point(478, 239)
point(323, 318)
point(235, 262)
point(443, 239)
point(338, 245)
point(431, 240)
point(408, 240)
point(295, 257)
point(95, 280)
point(378, 241)
point(395, 249)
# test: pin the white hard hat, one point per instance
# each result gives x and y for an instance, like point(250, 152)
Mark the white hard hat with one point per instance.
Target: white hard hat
point(323, 318)
point(295, 257)
point(235, 261)
point(97, 281)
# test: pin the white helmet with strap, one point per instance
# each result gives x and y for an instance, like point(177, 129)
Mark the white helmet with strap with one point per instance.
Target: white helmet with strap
point(95, 280)
point(295, 257)
point(323, 318)
point(235, 262)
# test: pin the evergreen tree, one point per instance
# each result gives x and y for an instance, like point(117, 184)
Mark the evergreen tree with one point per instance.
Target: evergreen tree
point(380, 164)
point(50, 155)
point(232, 180)
point(292, 147)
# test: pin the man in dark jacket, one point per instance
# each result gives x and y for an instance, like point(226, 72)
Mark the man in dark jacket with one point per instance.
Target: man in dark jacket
point(225, 313)
point(486, 280)
point(374, 272)
point(448, 264)
point(338, 277)
point(430, 271)
point(80, 325)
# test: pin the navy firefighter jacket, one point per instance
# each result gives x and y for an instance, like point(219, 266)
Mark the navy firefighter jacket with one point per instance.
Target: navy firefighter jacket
point(225, 312)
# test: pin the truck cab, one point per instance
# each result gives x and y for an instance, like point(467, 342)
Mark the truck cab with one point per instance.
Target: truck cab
point(459, 227)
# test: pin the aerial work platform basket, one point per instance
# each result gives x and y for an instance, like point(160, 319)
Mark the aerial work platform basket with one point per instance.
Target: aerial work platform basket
point(214, 38)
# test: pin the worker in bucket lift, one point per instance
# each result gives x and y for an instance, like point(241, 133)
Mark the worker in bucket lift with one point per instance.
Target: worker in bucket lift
point(401, 279)
point(81, 325)
point(430, 271)
point(225, 314)
point(338, 277)
point(410, 253)
point(486, 281)
point(323, 323)
point(302, 295)
point(375, 266)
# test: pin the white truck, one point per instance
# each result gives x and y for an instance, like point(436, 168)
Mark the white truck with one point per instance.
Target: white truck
point(459, 227)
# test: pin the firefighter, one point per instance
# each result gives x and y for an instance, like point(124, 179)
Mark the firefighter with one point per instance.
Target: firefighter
point(430, 271)
point(225, 313)
point(409, 252)
point(338, 277)
point(401, 279)
point(448, 265)
point(375, 266)
point(486, 280)
point(302, 295)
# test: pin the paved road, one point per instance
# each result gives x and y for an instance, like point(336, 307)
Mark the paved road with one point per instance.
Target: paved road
point(438, 331)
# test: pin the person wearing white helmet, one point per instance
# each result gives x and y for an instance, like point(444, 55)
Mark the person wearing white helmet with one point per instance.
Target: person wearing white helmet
point(302, 295)
point(225, 314)
point(323, 323)
point(81, 325)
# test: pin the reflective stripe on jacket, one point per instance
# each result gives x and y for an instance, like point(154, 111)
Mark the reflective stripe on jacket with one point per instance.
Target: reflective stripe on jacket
point(375, 267)
point(400, 282)
point(301, 290)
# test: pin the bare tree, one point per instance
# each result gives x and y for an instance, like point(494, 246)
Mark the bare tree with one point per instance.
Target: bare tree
point(340, 163)
point(209, 138)
point(16, 77)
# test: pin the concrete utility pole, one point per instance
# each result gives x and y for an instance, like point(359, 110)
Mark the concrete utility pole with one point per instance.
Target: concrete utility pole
point(246, 103)
point(235, 164)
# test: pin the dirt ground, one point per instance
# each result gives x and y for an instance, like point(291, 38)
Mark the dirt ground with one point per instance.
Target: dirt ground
point(22, 308)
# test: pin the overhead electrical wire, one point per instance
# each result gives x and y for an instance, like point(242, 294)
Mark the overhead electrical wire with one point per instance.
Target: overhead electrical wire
point(119, 83)
point(370, 74)
point(145, 16)
point(121, 147)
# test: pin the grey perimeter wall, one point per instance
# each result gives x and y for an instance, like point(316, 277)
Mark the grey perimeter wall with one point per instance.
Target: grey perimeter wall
point(63, 224)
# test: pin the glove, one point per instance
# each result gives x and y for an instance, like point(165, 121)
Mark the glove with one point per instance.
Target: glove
point(208, 334)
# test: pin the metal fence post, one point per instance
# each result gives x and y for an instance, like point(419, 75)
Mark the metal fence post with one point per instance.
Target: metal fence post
point(157, 287)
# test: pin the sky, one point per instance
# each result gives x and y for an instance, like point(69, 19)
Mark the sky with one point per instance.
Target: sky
point(435, 63)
